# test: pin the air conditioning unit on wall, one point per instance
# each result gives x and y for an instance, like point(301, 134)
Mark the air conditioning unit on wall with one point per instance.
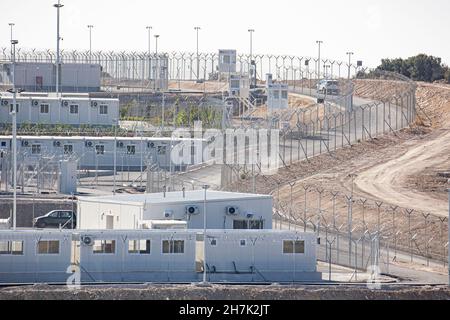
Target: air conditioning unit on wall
point(192, 210)
point(232, 211)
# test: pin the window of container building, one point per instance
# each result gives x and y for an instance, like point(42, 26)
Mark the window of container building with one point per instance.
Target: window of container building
point(45, 108)
point(48, 247)
point(11, 247)
point(131, 149)
point(291, 247)
point(248, 224)
point(104, 246)
point(100, 149)
point(11, 108)
point(68, 149)
point(74, 109)
point(139, 246)
point(36, 149)
point(172, 246)
point(103, 109)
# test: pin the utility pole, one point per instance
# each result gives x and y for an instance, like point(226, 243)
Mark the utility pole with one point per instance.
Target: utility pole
point(198, 57)
point(90, 42)
point(11, 25)
point(319, 42)
point(157, 61)
point(349, 62)
point(115, 155)
point(205, 187)
point(14, 132)
point(58, 6)
point(149, 29)
point(251, 43)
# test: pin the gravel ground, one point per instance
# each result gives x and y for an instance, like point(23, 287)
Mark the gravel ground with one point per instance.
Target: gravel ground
point(225, 292)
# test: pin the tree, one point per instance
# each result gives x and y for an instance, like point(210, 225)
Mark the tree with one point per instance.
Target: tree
point(419, 68)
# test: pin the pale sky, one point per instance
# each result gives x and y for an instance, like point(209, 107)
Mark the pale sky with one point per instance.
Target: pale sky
point(373, 29)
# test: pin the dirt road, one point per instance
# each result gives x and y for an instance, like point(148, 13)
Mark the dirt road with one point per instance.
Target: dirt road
point(388, 181)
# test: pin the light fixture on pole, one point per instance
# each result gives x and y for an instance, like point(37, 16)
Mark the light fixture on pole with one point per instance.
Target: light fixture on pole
point(205, 187)
point(319, 42)
point(90, 26)
point(198, 57)
point(58, 6)
point(349, 62)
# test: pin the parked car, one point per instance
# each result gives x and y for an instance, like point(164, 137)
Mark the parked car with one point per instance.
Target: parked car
point(328, 87)
point(55, 219)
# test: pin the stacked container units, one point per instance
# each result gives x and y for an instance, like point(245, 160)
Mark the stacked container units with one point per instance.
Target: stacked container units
point(132, 154)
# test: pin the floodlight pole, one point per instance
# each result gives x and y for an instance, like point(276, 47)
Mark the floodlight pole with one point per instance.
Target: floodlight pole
point(157, 60)
point(58, 6)
point(115, 156)
point(251, 43)
point(319, 42)
point(11, 24)
point(349, 62)
point(90, 42)
point(149, 28)
point(198, 57)
point(14, 132)
point(205, 187)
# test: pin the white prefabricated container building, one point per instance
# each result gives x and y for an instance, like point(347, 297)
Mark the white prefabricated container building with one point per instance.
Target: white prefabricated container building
point(99, 256)
point(132, 153)
point(224, 210)
point(41, 76)
point(227, 61)
point(277, 94)
point(68, 109)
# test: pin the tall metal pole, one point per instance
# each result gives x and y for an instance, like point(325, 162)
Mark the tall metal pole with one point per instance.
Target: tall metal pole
point(157, 61)
point(57, 6)
point(198, 57)
point(90, 42)
point(251, 43)
point(205, 187)
point(149, 28)
point(349, 62)
point(115, 156)
point(14, 133)
point(11, 24)
point(319, 42)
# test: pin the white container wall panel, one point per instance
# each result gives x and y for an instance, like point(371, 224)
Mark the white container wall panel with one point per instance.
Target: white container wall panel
point(133, 154)
point(54, 111)
point(153, 267)
point(227, 61)
point(41, 77)
point(112, 256)
point(31, 266)
point(258, 256)
point(261, 209)
point(98, 216)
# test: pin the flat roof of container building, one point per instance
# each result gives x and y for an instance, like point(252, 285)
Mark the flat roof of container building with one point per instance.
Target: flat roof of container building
point(53, 96)
point(175, 197)
point(103, 138)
